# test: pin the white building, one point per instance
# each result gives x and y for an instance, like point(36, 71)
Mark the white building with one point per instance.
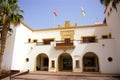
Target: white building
point(92, 48)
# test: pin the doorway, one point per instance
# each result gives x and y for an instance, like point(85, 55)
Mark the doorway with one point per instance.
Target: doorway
point(42, 62)
point(90, 62)
point(65, 62)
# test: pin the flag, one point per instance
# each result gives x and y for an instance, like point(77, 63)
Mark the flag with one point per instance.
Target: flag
point(83, 12)
point(55, 13)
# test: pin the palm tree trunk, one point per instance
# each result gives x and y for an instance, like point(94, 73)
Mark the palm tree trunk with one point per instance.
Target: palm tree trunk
point(3, 41)
point(0, 62)
point(3, 38)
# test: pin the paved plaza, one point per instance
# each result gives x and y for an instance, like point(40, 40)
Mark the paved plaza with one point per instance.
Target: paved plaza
point(65, 76)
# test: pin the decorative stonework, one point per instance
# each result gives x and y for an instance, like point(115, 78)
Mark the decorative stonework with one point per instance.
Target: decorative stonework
point(67, 24)
point(67, 34)
point(64, 48)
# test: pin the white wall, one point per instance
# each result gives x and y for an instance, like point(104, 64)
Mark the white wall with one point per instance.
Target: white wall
point(106, 51)
point(91, 31)
point(46, 34)
point(113, 21)
point(8, 54)
point(19, 52)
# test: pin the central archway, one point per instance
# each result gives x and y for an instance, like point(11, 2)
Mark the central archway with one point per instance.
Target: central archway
point(42, 62)
point(65, 62)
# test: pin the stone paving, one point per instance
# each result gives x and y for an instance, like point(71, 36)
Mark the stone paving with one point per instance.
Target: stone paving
point(65, 76)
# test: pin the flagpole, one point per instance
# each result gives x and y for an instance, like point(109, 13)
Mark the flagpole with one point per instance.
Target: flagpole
point(54, 21)
point(55, 14)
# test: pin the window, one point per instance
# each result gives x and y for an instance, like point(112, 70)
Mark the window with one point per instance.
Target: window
point(89, 39)
point(29, 40)
point(110, 59)
point(110, 35)
point(104, 37)
point(77, 64)
point(47, 41)
point(67, 40)
point(27, 59)
point(53, 63)
point(35, 40)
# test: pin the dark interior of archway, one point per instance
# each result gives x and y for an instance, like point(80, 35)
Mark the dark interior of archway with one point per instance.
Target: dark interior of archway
point(42, 62)
point(65, 62)
point(90, 63)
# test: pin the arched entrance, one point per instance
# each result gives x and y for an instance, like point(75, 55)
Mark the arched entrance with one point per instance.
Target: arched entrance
point(90, 62)
point(65, 62)
point(42, 62)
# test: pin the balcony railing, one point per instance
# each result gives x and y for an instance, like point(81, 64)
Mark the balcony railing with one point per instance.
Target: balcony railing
point(64, 45)
point(70, 43)
point(41, 43)
point(88, 41)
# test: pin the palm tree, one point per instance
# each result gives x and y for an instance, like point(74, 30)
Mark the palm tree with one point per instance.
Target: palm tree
point(10, 13)
point(107, 2)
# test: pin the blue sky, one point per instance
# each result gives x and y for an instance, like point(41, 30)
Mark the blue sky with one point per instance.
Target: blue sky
point(39, 13)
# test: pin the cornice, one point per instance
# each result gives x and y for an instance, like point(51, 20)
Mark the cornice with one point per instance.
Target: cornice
point(72, 27)
point(64, 28)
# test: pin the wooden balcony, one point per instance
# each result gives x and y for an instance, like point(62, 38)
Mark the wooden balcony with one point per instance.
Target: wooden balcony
point(64, 45)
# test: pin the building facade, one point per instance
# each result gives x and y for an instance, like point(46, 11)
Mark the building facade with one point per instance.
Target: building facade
point(92, 48)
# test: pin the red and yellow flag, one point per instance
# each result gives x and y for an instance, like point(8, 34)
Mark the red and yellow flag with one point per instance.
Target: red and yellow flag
point(55, 13)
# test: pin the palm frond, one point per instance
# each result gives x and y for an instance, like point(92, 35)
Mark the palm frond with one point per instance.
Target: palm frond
point(9, 14)
point(114, 4)
point(107, 2)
